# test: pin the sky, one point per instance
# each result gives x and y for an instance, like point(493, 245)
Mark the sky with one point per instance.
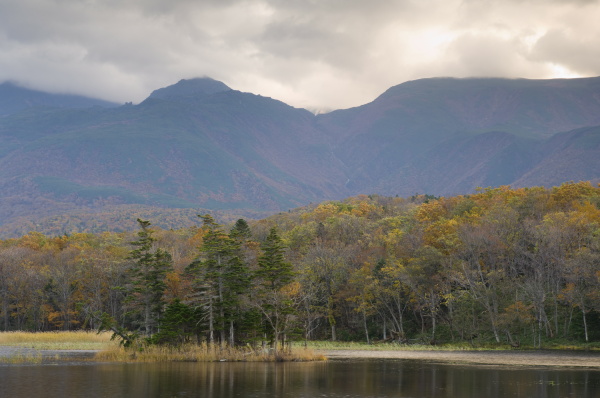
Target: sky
point(316, 54)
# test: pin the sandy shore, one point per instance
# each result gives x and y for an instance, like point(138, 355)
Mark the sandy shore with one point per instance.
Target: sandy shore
point(514, 358)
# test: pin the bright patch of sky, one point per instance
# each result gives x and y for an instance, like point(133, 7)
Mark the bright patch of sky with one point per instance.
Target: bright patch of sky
point(324, 54)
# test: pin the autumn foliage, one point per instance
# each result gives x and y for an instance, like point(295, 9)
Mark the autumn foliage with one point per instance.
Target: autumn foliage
point(512, 266)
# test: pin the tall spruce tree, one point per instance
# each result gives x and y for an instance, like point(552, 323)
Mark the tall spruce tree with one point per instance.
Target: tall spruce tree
point(274, 274)
point(273, 270)
point(146, 287)
point(220, 279)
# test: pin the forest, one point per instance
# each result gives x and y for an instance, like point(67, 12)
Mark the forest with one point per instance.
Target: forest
point(518, 266)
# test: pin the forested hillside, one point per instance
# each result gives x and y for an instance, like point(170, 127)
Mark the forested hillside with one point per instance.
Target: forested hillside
point(514, 266)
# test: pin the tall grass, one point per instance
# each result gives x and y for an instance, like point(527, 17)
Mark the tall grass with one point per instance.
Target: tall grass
point(22, 358)
point(358, 346)
point(203, 353)
point(111, 351)
point(76, 340)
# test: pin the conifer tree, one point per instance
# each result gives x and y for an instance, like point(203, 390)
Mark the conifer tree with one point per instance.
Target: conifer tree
point(273, 270)
point(145, 292)
point(274, 275)
point(221, 277)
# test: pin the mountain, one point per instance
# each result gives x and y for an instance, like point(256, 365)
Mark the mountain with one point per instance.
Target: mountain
point(14, 98)
point(199, 144)
point(387, 143)
point(566, 156)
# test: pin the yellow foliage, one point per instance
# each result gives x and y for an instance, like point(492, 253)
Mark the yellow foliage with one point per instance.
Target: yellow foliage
point(363, 209)
point(442, 234)
point(291, 289)
point(324, 211)
point(431, 211)
point(568, 194)
point(517, 314)
point(588, 211)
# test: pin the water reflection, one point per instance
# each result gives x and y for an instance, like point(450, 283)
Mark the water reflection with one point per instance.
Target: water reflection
point(327, 379)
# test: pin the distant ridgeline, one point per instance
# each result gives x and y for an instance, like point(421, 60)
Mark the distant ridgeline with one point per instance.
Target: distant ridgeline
point(200, 146)
point(504, 266)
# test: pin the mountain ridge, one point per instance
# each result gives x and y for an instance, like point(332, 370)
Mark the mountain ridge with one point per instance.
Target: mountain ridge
point(200, 144)
point(14, 98)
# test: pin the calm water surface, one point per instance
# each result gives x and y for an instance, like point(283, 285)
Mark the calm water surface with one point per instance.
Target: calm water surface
point(381, 378)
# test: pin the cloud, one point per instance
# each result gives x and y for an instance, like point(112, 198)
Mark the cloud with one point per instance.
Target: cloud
point(325, 53)
point(578, 54)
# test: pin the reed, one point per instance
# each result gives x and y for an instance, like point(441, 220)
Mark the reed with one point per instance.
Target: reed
point(71, 340)
point(20, 358)
point(203, 353)
point(358, 346)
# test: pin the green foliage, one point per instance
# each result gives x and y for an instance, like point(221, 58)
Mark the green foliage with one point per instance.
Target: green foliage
point(220, 279)
point(126, 338)
point(178, 325)
point(145, 291)
point(273, 270)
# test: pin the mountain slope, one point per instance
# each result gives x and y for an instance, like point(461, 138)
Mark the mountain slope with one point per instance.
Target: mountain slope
point(181, 148)
point(408, 121)
point(199, 144)
point(14, 98)
point(570, 156)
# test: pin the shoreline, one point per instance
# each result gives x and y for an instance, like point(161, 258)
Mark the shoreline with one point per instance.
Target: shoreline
point(542, 358)
point(565, 359)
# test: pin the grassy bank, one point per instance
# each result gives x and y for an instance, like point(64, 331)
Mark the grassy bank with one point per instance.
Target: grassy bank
point(77, 340)
point(463, 346)
point(204, 353)
point(358, 346)
point(110, 351)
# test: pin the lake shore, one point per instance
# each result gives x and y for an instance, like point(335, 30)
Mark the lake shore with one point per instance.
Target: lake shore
point(544, 358)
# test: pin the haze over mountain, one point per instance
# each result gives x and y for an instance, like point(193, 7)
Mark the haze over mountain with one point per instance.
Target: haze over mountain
point(199, 144)
point(14, 98)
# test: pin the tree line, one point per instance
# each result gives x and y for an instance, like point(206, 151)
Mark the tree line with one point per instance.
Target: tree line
point(503, 265)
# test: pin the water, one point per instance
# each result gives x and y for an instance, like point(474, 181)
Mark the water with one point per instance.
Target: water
point(335, 378)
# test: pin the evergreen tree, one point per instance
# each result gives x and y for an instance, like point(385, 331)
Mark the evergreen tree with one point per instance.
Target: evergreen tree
point(178, 324)
point(146, 288)
point(221, 277)
point(274, 297)
point(241, 230)
point(273, 270)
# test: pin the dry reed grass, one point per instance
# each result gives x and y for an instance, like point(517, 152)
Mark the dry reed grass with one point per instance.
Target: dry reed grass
point(72, 340)
point(21, 358)
point(361, 346)
point(203, 353)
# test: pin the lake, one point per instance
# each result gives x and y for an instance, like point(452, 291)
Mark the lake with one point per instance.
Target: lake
point(334, 378)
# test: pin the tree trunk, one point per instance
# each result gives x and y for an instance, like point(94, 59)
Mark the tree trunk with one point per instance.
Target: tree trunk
point(5, 313)
point(147, 318)
point(211, 326)
point(366, 328)
point(432, 328)
point(494, 327)
point(585, 326)
point(331, 318)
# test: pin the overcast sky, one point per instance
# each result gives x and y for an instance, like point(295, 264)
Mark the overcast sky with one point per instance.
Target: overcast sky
point(308, 53)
